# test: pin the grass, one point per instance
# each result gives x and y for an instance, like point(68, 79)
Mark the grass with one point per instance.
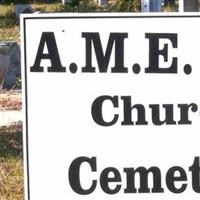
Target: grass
point(11, 179)
point(11, 163)
point(7, 15)
point(47, 8)
point(9, 9)
point(9, 30)
point(6, 9)
point(10, 33)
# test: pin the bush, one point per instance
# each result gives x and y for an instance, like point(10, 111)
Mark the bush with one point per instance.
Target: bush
point(127, 6)
point(80, 6)
point(27, 1)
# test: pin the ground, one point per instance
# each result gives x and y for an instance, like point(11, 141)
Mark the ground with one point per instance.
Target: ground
point(11, 151)
point(10, 100)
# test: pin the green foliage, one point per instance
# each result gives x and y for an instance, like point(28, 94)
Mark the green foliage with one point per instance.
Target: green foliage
point(126, 6)
point(8, 28)
point(10, 142)
point(80, 6)
point(27, 1)
point(7, 17)
point(47, 8)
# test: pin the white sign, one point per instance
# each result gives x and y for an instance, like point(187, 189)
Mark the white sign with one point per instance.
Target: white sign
point(111, 106)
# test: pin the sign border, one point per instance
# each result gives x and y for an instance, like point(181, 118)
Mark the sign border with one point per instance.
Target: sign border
point(23, 19)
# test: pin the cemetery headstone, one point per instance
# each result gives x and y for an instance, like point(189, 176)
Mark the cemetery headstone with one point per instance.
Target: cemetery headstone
point(22, 8)
point(155, 5)
point(10, 64)
point(4, 62)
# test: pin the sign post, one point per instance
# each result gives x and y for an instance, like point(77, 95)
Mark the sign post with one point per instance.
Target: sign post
point(111, 111)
